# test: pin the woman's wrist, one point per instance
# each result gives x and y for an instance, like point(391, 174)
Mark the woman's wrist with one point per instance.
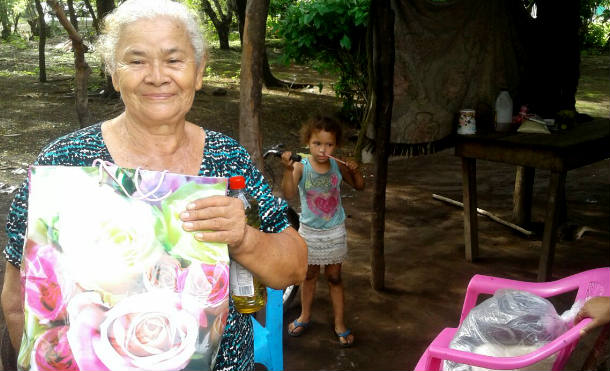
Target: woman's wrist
point(247, 243)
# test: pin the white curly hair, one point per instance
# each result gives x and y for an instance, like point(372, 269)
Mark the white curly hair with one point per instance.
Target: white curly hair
point(133, 10)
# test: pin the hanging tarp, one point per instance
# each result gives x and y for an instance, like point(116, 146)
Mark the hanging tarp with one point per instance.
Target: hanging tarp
point(449, 56)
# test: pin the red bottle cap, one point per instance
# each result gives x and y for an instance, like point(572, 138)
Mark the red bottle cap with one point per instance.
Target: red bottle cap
point(237, 182)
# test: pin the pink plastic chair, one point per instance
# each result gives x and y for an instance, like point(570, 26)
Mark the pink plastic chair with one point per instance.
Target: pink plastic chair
point(595, 282)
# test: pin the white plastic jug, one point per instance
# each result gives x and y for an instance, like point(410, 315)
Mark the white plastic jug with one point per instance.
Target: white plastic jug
point(504, 111)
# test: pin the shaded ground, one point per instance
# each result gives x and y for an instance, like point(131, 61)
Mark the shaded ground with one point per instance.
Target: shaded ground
point(426, 274)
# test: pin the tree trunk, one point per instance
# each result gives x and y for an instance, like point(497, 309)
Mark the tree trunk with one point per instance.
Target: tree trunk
point(240, 10)
point(221, 21)
point(381, 21)
point(72, 14)
point(42, 41)
point(93, 16)
point(223, 36)
point(269, 80)
point(251, 77)
point(4, 20)
point(33, 27)
point(104, 7)
point(16, 23)
point(556, 56)
point(80, 65)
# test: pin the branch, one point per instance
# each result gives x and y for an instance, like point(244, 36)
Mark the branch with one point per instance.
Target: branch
point(219, 9)
point(486, 213)
point(72, 33)
point(207, 8)
point(93, 17)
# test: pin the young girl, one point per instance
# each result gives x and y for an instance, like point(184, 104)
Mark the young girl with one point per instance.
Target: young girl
point(318, 179)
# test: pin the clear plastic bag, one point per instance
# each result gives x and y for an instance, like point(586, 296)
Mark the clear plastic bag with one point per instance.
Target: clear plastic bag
point(510, 323)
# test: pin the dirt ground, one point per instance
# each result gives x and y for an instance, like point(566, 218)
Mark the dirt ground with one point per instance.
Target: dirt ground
point(426, 274)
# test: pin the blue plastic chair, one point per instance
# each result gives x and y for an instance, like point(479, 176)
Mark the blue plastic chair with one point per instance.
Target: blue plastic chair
point(268, 339)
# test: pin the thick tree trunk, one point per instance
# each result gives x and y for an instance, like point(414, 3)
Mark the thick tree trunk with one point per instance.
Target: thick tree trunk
point(221, 21)
point(556, 56)
point(269, 80)
point(250, 107)
point(104, 7)
point(223, 36)
point(381, 21)
point(42, 41)
point(80, 65)
point(4, 20)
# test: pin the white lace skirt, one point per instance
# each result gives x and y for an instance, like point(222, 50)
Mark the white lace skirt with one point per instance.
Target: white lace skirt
point(325, 246)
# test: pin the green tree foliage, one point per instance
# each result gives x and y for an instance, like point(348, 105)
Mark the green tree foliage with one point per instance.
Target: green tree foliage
point(595, 19)
point(277, 8)
point(331, 35)
point(10, 12)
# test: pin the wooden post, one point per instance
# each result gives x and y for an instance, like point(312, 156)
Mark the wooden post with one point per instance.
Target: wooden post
point(522, 196)
point(381, 21)
point(549, 237)
point(469, 191)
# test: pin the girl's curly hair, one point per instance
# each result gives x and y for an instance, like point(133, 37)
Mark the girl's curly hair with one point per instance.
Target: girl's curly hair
point(320, 122)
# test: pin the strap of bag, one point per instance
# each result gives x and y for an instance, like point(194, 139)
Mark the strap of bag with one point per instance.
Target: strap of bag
point(106, 167)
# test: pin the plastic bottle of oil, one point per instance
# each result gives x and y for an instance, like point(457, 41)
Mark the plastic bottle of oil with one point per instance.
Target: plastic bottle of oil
point(248, 294)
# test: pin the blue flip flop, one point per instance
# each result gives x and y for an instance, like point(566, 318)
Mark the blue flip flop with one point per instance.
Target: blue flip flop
point(297, 324)
point(344, 335)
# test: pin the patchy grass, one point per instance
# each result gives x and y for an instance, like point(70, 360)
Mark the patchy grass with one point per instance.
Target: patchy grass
point(593, 95)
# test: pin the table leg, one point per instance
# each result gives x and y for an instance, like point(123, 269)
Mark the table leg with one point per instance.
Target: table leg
point(551, 221)
point(469, 194)
point(522, 196)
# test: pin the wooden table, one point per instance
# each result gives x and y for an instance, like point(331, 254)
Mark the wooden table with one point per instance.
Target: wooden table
point(558, 152)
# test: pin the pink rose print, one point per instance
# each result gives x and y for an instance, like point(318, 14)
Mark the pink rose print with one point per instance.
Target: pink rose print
point(147, 332)
point(45, 294)
point(52, 352)
point(86, 312)
point(204, 287)
point(218, 276)
point(163, 275)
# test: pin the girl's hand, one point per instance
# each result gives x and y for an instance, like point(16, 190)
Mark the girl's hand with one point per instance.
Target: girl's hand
point(216, 219)
point(351, 165)
point(286, 161)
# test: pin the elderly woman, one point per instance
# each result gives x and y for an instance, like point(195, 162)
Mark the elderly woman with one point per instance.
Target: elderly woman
point(156, 55)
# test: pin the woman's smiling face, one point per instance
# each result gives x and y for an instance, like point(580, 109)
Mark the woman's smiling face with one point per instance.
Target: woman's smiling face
point(157, 74)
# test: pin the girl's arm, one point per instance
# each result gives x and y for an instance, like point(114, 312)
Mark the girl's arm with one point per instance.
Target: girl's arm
point(292, 176)
point(351, 174)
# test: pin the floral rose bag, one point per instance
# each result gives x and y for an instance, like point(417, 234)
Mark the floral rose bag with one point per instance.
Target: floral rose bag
point(112, 281)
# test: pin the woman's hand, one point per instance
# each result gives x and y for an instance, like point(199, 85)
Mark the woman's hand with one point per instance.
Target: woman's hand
point(277, 259)
point(216, 219)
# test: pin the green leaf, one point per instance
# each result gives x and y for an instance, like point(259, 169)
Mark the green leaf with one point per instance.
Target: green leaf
point(345, 42)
